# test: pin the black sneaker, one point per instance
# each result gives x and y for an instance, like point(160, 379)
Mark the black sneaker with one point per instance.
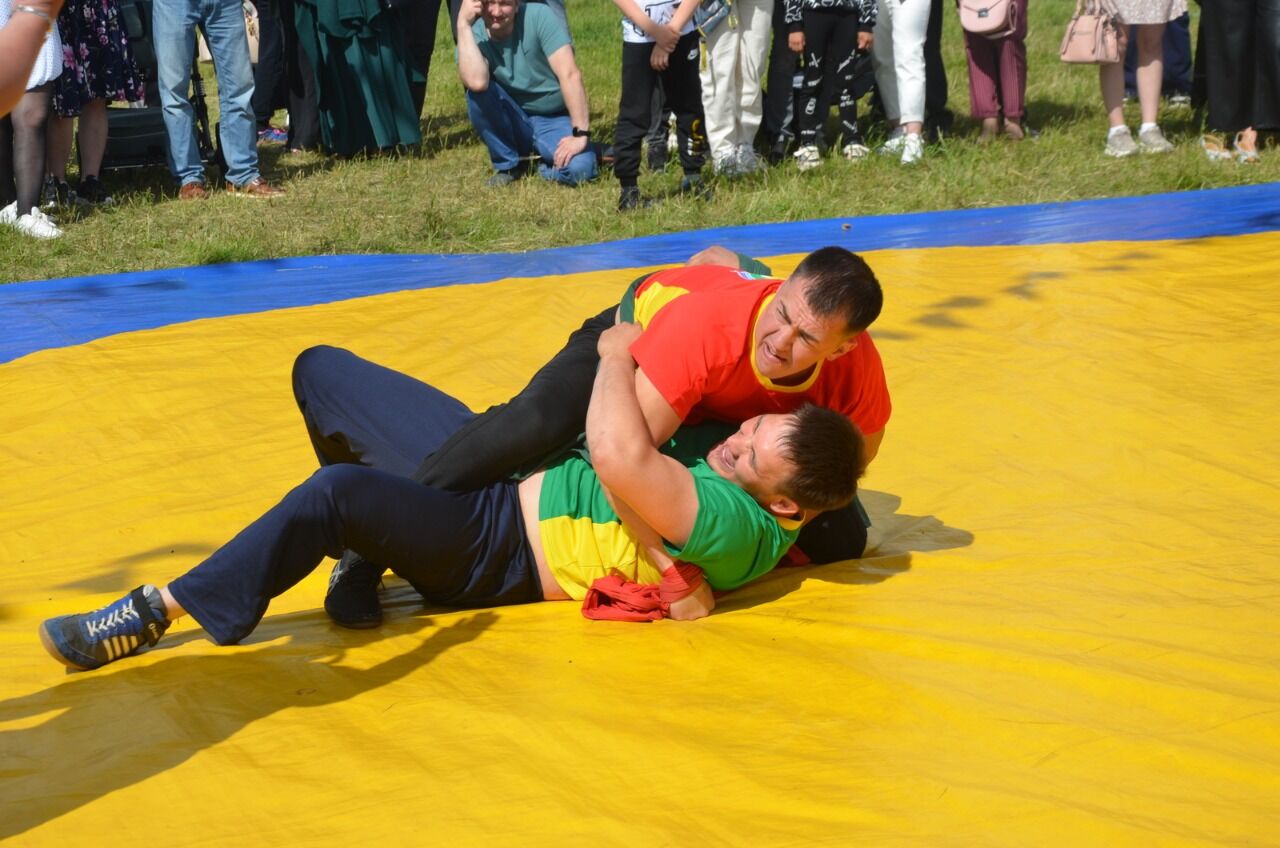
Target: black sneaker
point(352, 599)
point(93, 639)
point(693, 186)
point(90, 190)
point(57, 193)
point(630, 199)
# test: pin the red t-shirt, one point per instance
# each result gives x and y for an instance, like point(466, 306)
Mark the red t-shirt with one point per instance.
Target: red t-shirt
point(697, 351)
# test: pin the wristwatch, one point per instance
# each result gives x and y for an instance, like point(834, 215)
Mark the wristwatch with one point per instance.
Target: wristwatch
point(577, 133)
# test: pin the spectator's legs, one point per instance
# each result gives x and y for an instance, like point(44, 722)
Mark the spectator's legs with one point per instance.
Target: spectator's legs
point(1150, 68)
point(659, 128)
point(779, 96)
point(882, 54)
point(1177, 55)
point(984, 70)
point(819, 29)
point(6, 162)
point(502, 125)
point(174, 37)
point(547, 133)
point(304, 116)
point(1111, 80)
point(224, 31)
point(635, 107)
point(721, 92)
point(91, 137)
point(59, 135)
point(684, 95)
point(269, 73)
point(754, 19)
point(843, 53)
point(910, 22)
point(1228, 31)
point(1012, 53)
point(936, 113)
point(420, 36)
point(29, 119)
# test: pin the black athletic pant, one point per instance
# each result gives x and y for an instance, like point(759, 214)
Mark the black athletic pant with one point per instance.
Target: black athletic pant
point(683, 90)
point(546, 416)
point(779, 93)
point(830, 47)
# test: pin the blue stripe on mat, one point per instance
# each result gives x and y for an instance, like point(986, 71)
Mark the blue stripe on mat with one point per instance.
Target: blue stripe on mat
point(57, 313)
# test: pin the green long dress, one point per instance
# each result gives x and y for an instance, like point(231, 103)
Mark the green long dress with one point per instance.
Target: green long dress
point(358, 54)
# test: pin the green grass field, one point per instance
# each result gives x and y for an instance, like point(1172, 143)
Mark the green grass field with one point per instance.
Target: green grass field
point(433, 200)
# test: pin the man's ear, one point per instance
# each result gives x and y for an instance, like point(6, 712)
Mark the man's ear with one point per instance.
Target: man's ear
point(783, 507)
point(849, 344)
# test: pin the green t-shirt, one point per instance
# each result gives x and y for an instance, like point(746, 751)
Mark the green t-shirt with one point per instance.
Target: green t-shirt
point(520, 64)
point(734, 540)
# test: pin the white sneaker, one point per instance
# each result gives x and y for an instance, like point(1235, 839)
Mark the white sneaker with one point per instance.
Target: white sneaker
point(748, 161)
point(807, 157)
point(727, 164)
point(9, 214)
point(912, 148)
point(38, 225)
point(893, 144)
point(855, 150)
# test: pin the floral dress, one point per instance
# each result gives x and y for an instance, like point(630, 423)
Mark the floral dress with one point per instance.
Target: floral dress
point(97, 59)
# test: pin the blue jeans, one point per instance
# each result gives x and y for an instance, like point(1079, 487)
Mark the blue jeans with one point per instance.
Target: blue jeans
point(512, 134)
point(174, 25)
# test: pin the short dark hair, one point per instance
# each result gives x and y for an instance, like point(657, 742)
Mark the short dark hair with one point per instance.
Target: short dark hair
point(826, 449)
point(841, 283)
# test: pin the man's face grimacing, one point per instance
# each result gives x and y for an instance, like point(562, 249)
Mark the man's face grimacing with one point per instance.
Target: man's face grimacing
point(755, 459)
point(499, 17)
point(789, 338)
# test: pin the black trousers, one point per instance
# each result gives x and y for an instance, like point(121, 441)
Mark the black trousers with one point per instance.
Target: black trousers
point(683, 91)
point(830, 49)
point(1239, 61)
point(779, 93)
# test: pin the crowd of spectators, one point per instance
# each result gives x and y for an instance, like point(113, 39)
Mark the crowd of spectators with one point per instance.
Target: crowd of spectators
point(732, 78)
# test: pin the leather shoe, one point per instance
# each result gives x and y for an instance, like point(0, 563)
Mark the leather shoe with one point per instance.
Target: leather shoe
point(193, 191)
point(257, 188)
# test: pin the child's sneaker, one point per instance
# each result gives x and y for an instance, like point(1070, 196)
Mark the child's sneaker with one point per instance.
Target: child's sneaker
point(1120, 144)
point(912, 148)
point(855, 150)
point(93, 639)
point(808, 157)
point(893, 144)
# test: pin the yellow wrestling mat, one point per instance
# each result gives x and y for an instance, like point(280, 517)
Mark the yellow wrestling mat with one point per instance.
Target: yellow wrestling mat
point(1067, 637)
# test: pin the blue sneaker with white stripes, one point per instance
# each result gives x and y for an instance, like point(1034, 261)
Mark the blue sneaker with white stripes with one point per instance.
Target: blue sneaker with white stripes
point(92, 639)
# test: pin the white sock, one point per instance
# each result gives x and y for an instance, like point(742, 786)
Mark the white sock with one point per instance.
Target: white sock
point(1115, 131)
point(1146, 127)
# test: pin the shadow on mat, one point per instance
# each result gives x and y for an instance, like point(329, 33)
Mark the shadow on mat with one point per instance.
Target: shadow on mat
point(118, 726)
point(901, 536)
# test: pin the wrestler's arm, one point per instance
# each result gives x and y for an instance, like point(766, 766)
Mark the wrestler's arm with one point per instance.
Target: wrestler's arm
point(645, 485)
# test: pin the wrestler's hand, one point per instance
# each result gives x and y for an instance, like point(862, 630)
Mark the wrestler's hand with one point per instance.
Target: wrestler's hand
point(865, 40)
point(616, 341)
point(714, 255)
point(697, 604)
point(795, 41)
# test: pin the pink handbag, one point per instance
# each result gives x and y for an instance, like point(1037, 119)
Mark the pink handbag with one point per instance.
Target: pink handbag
point(1095, 36)
point(988, 18)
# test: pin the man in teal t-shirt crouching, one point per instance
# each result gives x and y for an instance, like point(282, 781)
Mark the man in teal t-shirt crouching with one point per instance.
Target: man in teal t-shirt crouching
point(538, 104)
